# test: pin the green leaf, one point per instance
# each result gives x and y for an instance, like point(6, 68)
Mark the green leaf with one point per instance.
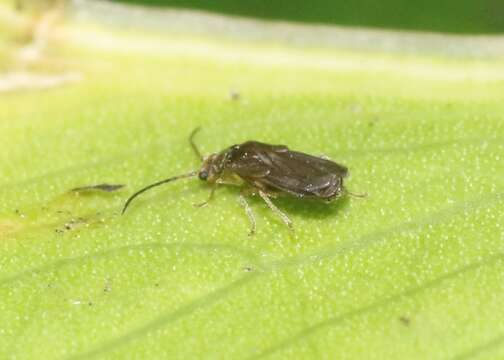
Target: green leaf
point(414, 270)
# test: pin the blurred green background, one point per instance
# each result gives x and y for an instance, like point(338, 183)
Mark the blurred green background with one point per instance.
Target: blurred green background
point(462, 16)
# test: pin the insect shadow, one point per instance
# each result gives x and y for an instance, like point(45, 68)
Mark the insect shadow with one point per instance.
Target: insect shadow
point(269, 171)
point(313, 208)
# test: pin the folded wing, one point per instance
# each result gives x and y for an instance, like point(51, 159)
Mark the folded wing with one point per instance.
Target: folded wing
point(280, 169)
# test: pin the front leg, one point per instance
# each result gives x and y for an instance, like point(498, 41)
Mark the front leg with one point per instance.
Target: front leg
point(210, 197)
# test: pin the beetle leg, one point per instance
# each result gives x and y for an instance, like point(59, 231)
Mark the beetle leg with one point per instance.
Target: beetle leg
point(250, 214)
point(210, 197)
point(276, 210)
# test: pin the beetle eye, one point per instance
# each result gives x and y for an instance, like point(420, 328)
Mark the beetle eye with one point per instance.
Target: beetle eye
point(203, 175)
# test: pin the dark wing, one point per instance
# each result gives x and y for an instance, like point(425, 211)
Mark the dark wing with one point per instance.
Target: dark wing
point(276, 167)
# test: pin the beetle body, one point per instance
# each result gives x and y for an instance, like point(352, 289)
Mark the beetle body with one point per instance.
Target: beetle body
point(276, 169)
point(266, 170)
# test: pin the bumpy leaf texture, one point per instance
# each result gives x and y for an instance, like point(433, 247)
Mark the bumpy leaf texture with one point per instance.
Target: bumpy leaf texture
point(414, 270)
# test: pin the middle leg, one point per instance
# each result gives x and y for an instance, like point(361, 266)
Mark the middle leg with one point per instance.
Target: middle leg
point(276, 210)
point(250, 214)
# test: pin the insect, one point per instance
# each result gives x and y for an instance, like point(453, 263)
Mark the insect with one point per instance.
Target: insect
point(268, 171)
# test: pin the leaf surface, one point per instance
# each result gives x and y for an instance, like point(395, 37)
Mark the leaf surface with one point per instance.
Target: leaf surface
point(414, 270)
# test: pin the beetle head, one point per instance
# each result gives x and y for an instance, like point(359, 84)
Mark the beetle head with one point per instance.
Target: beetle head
point(211, 168)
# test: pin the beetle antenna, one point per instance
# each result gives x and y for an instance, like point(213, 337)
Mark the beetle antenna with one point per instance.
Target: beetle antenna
point(193, 145)
point(130, 199)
